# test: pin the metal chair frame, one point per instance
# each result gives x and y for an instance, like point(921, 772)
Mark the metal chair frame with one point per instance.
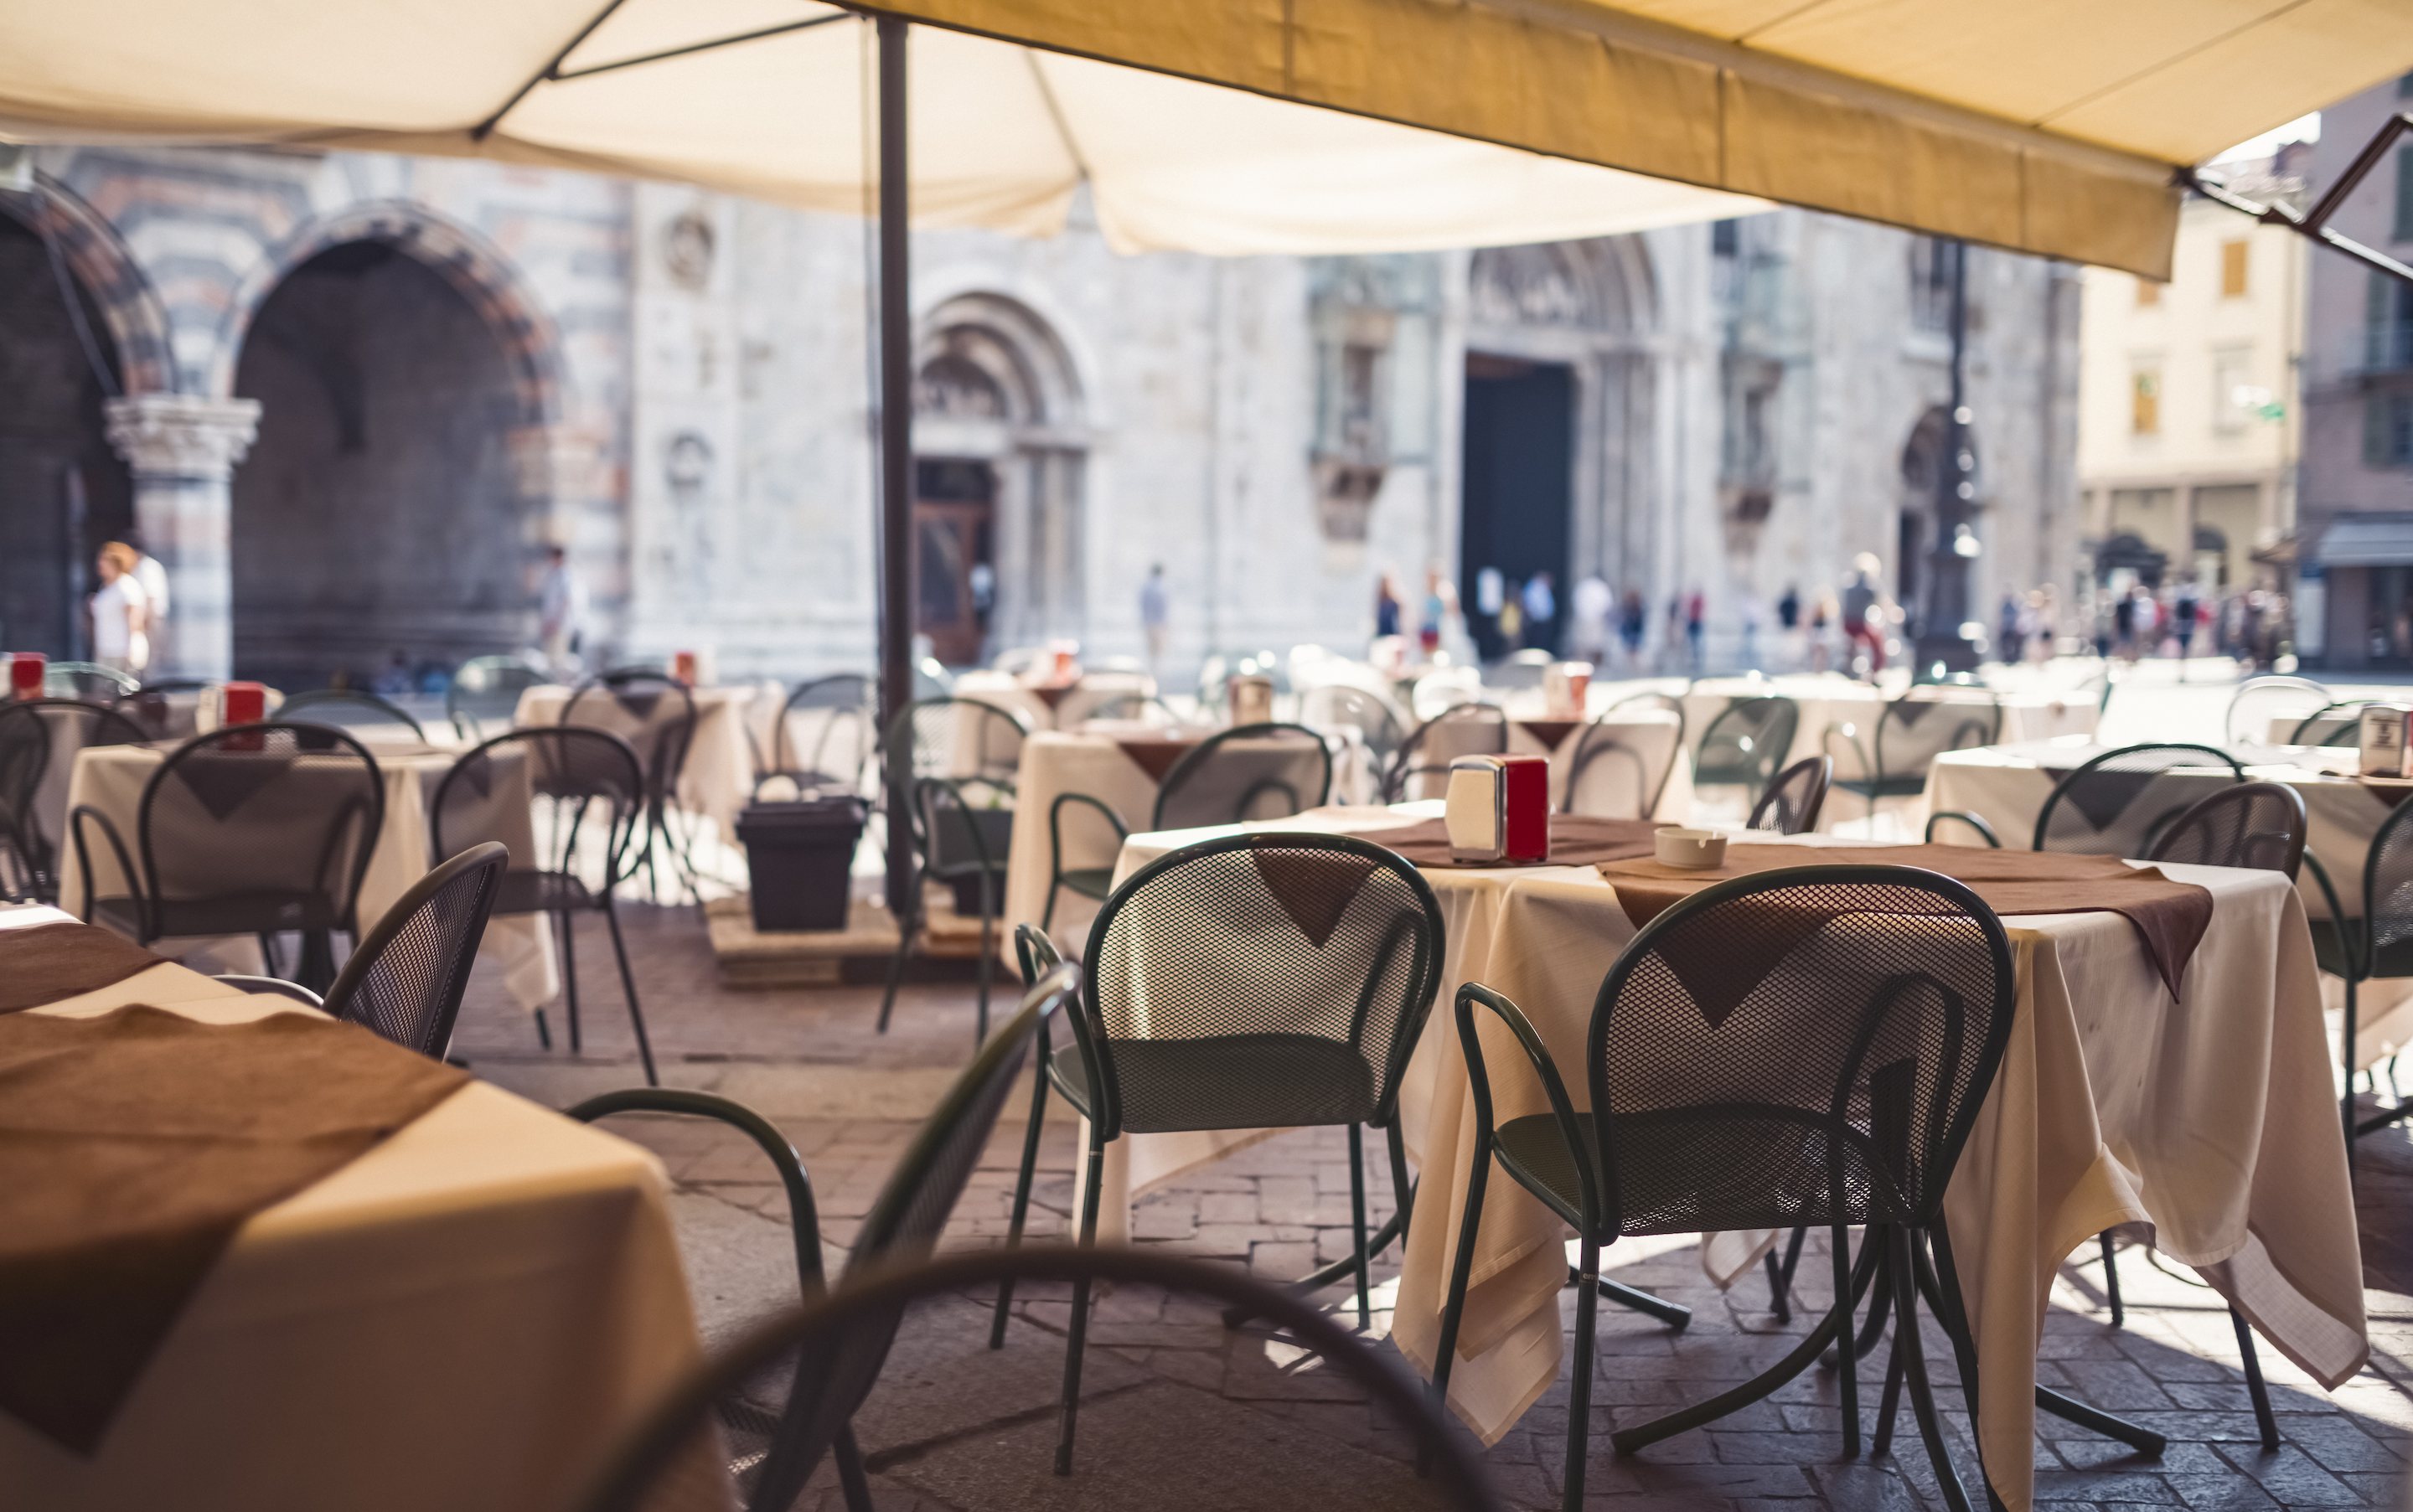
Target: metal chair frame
point(1811, 773)
point(663, 769)
point(342, 1000)
point(1876, 782)
point(107, 681)
point(2317, 693)
point(1750, 768)
point(619, 862)
point(385, 709)
point(36, 854)
point(2347, 712)
point(930, 793)
point(862, 713)
point(509, 670)
point(318, 950)
point(1403, 768)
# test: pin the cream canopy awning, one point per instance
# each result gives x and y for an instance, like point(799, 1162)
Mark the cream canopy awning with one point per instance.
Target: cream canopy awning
point(2048, 126)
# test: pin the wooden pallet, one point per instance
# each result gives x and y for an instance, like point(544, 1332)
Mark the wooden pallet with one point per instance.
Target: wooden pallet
point(751, 958)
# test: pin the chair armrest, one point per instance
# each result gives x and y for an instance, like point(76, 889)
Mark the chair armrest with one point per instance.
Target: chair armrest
point(803, 1213)
point(125, 864)
point(276, 985)
point(1547, 1073)
point(1056, 824)
point(2362, 968)
point(1973, 821)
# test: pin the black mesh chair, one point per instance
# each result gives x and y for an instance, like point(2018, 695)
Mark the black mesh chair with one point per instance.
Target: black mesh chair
point(40, 738)
point(250, 829)
point(962, 756)
point(87, 680)
point(2376, 943)
point(1606, 767)
point(682, 1457)
point(1667, 702)
point(962, 740)
point(1911, 732)
point(1791, 804)
point(1746, 744)
point(164, 708)
point(655, 713)
point(587, 787)
point(1138, 708)
point(485, 690)
point(1265, 981)
point(405, 981)
point(1799, 1048)
point(2261, 703)
point(2119, 803)
point(842, 711)
point(2333, 724)
point(1336, 708)
point(350, 709)
point(1421, 769)
point(775, 1424)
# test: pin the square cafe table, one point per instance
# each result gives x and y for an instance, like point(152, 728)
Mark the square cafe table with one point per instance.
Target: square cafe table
point(2211, 1120)
point(465, 1317)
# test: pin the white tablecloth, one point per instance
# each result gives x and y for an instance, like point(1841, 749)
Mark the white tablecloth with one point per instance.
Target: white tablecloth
point(1612, 782)
point(2212, 1119)
point(466, 1317)
point(2008, 785)
point(719, 776)
point(1053, 709)
point(111, 778)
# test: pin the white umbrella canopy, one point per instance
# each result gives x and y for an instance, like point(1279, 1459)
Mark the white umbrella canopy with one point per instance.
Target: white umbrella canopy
point(1003, 136)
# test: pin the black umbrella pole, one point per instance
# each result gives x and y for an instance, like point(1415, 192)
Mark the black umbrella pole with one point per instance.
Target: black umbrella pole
point(896, 462)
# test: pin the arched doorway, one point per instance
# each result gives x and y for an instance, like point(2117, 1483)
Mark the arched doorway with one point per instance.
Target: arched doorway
point(63, 491)
point(380, 515)
point(1000, 447)
point(1922, 466)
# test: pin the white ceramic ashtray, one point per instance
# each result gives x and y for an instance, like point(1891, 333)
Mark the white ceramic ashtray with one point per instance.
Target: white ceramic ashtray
point(1696, 850)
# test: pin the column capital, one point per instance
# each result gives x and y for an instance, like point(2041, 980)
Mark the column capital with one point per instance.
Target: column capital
point(182, 434)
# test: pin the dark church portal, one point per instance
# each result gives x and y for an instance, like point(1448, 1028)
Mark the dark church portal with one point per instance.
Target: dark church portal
point(1518, 490)
point(63, 492)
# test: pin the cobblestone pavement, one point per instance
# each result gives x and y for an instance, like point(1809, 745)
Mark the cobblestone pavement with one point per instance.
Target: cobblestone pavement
point(1184, 1414)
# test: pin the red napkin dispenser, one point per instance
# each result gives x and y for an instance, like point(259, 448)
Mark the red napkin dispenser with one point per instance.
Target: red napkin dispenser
point(1497, 809)
point(244, 704)
point(25, 671)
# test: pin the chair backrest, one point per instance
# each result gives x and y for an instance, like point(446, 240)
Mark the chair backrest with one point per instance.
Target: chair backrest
point(1791, 804)
point(689, 1452)
point(1746, 743)
point(1424, 758)
point(38, 741)
point(2388, 882)
point(653, 711)
point(348, 708)
point(588, 784)
point(2259, 825)
point(840, 726)
point(1100, 686)
point(1806, 1046)
point(1314, 957)
point(1254, 771)
point(1335, 708)
point(962, 740)
point(403, 983)
point(1141, 708)
point(270, 810)
point(1524, 670)
point(2118, 802)
point(2259, 702)
point(1925, 722)
point(2331, 724)
point(487, 690)
point(87, 680)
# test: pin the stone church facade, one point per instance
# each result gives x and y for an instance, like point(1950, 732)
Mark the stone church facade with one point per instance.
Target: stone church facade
point(348, 398)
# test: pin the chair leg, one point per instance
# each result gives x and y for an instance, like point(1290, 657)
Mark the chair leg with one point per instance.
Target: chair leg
point(1922, 1396)
point(1021, 1194)
point(1077, 1335)
point(629, 986)
point(2254, 1386)
point(1846, 1359)
point(1579, 1388)
point(1047, 914)
point(2346, 1101)
point(569, 976)
point(853, 1484)
point(1889, 1401)
point(1780, 1276)
point(904, 927)
point(1453, 1302)
point(544, 1031)
point(2111, 1282)
point(989, 953)
point(1358, 1222)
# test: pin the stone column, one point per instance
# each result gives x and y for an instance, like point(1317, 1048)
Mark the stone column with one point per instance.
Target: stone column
point(182, 449)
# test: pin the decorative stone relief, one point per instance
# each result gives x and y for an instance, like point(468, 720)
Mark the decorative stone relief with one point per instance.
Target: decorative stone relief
point(181, 436)
point(687, 250)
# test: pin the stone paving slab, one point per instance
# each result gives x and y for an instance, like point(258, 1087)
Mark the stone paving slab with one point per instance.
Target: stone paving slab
point(1182, 1414)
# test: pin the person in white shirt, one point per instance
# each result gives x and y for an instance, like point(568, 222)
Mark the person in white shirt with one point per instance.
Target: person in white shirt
point(149, 572)
point(120, 636)
point(561, 608)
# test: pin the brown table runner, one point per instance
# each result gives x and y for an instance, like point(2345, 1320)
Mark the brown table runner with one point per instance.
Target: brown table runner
point(1576, 840)
point(132, 1148)
point(1156, 756)
point(1549, 731)
point(2170, 916)
point(44, 962)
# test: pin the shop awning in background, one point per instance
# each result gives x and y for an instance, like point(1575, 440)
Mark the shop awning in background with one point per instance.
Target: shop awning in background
point(2372, 541)
point(2050, 125)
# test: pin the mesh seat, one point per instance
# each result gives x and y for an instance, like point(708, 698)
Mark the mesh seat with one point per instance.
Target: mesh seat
point(404, 985)
point(1421, 770)
point(1257, 981)
point(1746, 743)
point(40, 739)
point(1255, 771)
point(1791, 804)
point(568, 804)
point(1806, 1046)
point(250, 829)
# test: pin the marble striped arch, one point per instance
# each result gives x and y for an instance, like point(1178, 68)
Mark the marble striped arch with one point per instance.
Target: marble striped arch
point(130, 308)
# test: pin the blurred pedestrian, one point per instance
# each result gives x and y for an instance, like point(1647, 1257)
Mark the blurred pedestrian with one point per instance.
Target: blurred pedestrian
point(1589, 615)
point(1633, 620)
point(560, 613)
point(119, 638)
point(1154, 612)
point(1697, 614)
point(2183, 610)
point(1440, 596)
point(2010, 643)
point(1510, 617)
point(1386, 607)
point(1541, 618)
point(1863, 608)
point(1822, 621)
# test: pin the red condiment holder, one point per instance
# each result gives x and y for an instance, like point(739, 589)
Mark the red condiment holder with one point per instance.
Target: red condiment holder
point(26, 672)
point(683, 667)
point(1497, 809)
point(242, 703)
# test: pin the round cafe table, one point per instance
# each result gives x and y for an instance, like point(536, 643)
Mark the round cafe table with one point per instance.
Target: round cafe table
point(2105, 1112)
